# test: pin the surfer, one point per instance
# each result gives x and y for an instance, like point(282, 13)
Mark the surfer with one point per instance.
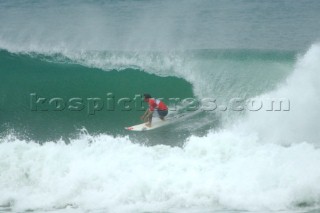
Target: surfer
point(154, 103)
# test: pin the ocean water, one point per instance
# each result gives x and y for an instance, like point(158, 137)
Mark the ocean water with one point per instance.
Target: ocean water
point(67, 70)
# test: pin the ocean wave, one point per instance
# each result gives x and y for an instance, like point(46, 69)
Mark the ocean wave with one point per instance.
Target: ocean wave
point(243, 167)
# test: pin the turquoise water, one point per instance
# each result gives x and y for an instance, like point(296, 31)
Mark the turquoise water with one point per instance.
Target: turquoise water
point(49, 77)
point(66, 67)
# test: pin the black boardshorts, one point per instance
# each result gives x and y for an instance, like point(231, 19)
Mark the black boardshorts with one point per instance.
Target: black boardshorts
point(162, 113)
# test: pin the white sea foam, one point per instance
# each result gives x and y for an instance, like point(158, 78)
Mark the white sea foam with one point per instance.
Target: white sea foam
point(229, 169)
point(301, 122)
point(244, 167)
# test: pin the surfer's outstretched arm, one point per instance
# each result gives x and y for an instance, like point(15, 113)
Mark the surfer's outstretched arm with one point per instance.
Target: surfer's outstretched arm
point(143, 117)
point(147, 116)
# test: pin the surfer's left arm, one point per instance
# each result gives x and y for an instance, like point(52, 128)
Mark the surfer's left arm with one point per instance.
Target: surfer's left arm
point(146, 114)
point(147, 117)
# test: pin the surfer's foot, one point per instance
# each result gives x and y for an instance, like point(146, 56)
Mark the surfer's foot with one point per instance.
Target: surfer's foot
point(162, 118)
point(148, 125)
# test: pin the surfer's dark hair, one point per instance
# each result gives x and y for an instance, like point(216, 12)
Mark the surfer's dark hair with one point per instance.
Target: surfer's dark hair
point(146, 96)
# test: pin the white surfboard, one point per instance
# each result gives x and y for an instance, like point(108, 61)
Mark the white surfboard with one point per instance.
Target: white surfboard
point(156, 123)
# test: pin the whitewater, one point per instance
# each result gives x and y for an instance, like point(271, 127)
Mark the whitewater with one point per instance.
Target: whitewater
point(265, 161)
point(216, 161)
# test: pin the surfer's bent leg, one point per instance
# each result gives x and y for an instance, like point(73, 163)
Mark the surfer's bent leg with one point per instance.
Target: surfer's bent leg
point(162, 114)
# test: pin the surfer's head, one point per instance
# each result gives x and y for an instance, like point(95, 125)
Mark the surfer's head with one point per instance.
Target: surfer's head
point(146, 97)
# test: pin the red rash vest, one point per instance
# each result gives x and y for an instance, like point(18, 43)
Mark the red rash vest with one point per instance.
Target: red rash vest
point(156, 104)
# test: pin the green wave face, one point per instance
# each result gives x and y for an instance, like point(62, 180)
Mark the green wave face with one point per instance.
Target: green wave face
point(46, 97)
point(30, 88)
point(65, 65)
